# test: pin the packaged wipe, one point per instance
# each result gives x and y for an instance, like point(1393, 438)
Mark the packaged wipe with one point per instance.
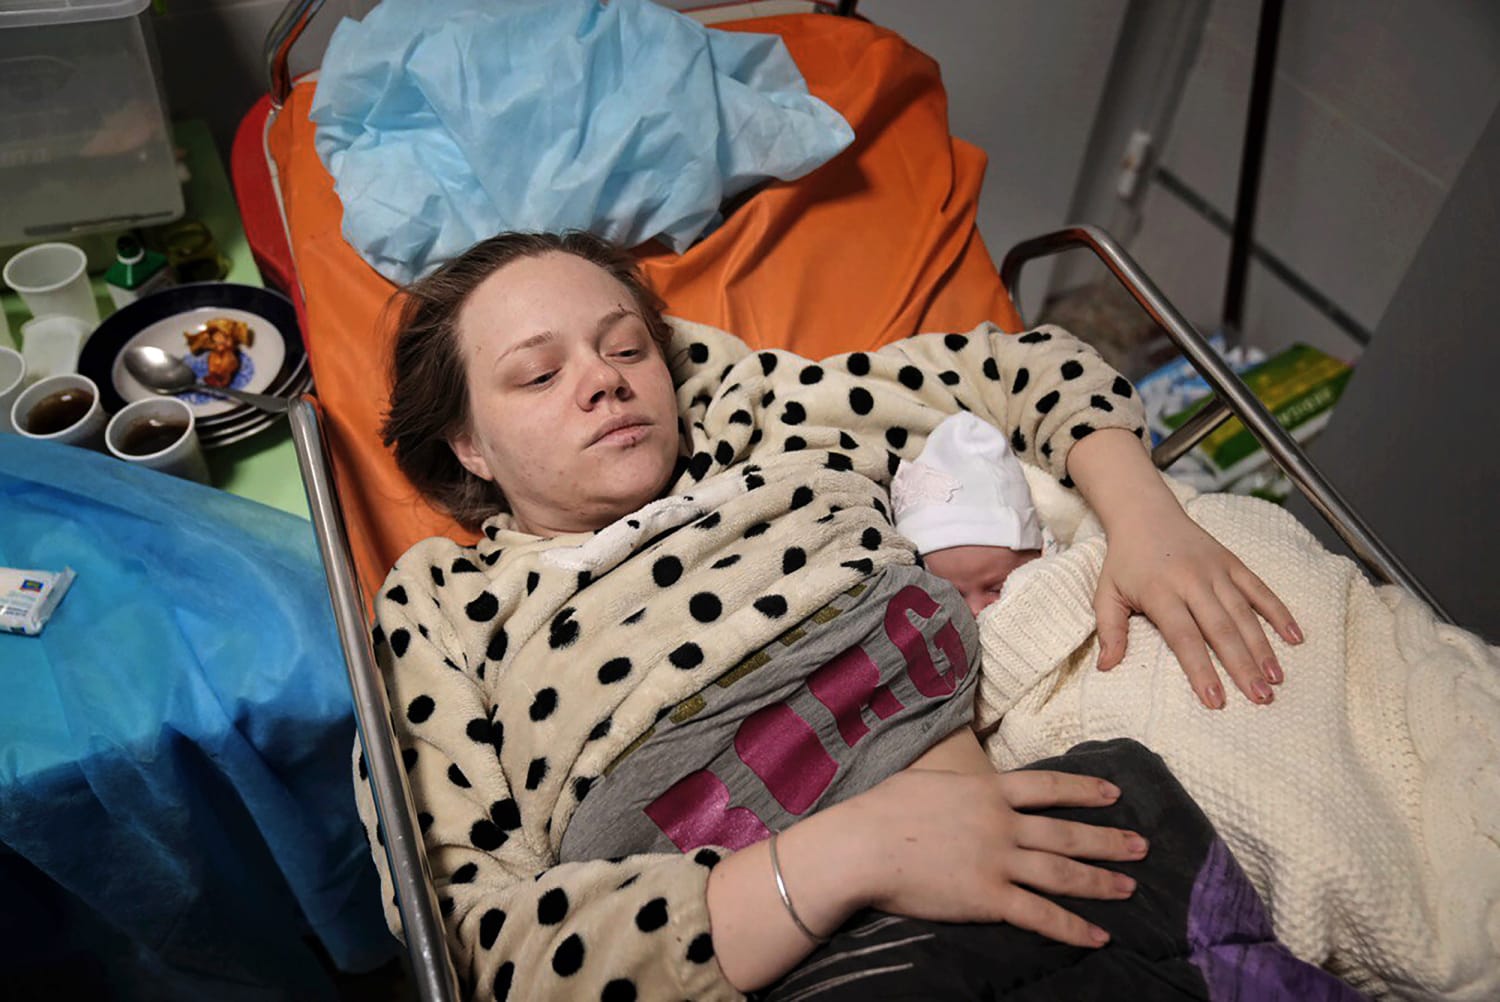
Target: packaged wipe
point(27, 598)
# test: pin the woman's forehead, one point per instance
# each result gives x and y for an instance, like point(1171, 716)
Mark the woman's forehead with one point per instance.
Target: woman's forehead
point(556, 293)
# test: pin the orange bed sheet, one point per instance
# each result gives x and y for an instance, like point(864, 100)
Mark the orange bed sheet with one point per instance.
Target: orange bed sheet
point(878, 244)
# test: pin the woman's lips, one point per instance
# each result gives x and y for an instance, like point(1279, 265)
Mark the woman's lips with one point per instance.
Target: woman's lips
point(625, 431)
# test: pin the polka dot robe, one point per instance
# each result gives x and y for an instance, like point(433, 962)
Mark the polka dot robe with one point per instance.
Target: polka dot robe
point(520, 668)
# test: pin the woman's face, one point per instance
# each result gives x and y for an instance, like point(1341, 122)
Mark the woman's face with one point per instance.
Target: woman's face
point(571, 406)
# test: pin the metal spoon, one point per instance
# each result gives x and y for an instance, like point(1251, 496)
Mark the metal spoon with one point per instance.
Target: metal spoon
point(164, 373)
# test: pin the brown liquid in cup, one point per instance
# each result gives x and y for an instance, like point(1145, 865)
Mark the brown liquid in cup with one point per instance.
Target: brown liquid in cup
point(57, 411)
point(150, 435)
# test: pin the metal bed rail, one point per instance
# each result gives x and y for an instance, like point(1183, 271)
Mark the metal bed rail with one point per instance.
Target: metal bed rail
point(432, 967)
point(1231, 397)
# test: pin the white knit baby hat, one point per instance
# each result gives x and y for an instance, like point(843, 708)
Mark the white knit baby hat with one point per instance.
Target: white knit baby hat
point(965, 489)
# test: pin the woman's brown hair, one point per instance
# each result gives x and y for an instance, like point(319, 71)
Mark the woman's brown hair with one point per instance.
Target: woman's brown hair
point(429, 396)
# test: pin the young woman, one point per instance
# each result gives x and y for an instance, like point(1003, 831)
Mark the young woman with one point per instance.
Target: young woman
point(690, 703)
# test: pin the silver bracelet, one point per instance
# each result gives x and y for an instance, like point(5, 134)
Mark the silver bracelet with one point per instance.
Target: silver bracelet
point(786, 898)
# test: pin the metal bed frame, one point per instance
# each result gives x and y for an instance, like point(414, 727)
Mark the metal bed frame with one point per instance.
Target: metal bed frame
point(416, 899)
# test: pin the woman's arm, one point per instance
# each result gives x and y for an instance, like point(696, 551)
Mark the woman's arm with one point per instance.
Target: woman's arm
point(938, 845)
point(1161, 563)
point(519, 924)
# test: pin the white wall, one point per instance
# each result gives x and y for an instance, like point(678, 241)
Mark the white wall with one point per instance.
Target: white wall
point(1024, 79)
point(211, 55)
point(1375, 107)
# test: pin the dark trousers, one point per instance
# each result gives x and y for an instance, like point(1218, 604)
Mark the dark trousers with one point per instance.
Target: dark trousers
point(1194, 929)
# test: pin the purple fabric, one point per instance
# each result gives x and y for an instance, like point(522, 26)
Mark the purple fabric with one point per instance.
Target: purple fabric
point(1235, 948)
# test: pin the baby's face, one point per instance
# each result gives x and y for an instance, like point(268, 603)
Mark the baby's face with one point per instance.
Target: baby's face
point(978, 572)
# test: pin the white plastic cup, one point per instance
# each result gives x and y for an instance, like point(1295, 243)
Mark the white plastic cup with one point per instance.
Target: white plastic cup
point(7, 340)
point(86, 431)
point(12, 382)
point(181, 455)
point(53, 278)
point(51, 344)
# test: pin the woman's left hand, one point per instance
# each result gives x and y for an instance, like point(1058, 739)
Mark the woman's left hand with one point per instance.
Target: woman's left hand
point(1199, 596)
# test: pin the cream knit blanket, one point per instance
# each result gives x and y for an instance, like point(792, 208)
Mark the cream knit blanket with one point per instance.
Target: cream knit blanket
point(1364, 803)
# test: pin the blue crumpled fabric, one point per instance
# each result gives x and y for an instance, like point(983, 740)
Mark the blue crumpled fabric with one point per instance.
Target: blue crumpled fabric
point(177, 812)
point(446, 121)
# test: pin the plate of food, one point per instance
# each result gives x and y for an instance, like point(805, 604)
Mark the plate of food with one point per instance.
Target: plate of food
point(238, 336)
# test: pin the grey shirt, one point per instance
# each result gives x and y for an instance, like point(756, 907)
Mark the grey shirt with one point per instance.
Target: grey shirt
point(850, 695)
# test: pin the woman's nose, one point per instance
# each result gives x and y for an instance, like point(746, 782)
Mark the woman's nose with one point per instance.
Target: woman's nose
point(601, 381)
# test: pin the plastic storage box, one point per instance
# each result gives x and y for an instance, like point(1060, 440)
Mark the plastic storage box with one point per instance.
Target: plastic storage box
point(84, 142)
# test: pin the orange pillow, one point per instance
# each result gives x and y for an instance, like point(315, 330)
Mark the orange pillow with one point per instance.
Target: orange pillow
point(876, 245)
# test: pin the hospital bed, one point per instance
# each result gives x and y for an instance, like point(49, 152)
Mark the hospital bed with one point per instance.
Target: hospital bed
point(824, 259)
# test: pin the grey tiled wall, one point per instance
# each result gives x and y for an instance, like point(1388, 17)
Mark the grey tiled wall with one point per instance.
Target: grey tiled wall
point(1375, 108)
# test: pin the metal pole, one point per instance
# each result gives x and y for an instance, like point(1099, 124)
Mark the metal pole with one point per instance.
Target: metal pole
point(1251, 157)
point(1231, 389)
point(415, 899)
point(278, 46)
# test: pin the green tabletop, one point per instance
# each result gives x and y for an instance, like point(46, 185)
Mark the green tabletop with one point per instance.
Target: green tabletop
point(263, 467)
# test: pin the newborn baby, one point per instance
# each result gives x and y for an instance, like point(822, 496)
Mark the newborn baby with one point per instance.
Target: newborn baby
point(965, 504)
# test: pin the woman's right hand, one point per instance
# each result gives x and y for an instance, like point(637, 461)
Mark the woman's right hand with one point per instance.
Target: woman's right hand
point(955, 848)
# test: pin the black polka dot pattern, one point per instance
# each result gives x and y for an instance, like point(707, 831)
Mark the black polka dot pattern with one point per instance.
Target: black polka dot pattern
point(536, 773)
point(564, 630)
point(499, 643)
point(613, 670)
point(666, 571)
point(810, 442)
point(701, 949)
point(568, 959)
point(506, 814)
point(686, 657)
point(705, 607)
point(490, 924)
point(652, 916)
point(619, 990)
point(483, 608)
point(544, 704)
point(552, 908)
point(771, 606)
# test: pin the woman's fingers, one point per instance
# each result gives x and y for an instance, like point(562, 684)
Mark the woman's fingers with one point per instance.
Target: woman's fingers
point(1022, 908)
point(1034, 788)
point(1253, 633)
point(1265, 602)
point(1054, 874)
point(1223, 635)
point(1112, 614)
point(1078, 840)
point(1179, 628)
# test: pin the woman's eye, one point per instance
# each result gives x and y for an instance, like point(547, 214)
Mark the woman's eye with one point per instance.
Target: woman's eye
point(627, 353)
point(541, 380)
